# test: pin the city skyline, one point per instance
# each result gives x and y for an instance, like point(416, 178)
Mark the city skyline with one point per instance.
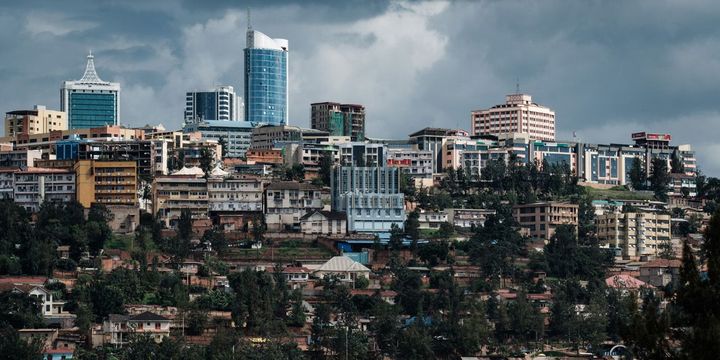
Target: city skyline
point(606, 77)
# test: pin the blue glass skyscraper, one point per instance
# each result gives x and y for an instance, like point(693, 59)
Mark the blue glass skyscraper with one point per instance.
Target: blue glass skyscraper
point(90, 102)
point(266, 79)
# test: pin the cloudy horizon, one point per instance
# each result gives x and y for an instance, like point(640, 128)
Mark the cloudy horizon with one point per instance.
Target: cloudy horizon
point(632, 66)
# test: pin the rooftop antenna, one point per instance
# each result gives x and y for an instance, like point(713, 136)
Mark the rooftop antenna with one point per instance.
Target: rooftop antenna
point(517, 85)
point(248, 19)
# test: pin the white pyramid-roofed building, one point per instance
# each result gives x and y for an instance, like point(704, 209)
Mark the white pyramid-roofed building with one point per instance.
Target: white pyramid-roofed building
point(344, 268)
point(192, 171)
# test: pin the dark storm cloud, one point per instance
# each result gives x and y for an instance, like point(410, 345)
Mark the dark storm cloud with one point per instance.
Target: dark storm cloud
point(606, 67)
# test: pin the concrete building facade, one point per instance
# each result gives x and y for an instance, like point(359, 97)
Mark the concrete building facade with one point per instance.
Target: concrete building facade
point(39, 120)
point(542, 218)
point(519, 114)
point(636, 233)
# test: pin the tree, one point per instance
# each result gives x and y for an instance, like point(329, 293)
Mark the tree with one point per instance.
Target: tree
point(297, 312)
point(295, 173)
point(412, 229)
point(196, 322)
point(224, 146)
point(676, 165)
point(13, 347)
point(659, 179)
point(638, 175)
point(446, 230)
point(19, 310)
point(326, 167)
point(206, 161)
point(396, 237)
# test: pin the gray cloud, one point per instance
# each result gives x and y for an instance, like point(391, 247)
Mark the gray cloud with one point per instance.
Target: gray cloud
point(606, 68)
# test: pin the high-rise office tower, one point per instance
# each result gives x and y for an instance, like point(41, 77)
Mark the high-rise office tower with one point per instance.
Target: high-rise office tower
point(90, 102)
point(220, 103)
point(266, 79)
point(339, 119)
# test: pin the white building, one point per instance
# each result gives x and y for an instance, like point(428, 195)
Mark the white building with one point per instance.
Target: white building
point(90, 102)
point(324, 222)
point(344, 268)
point(414, 163)
point(229, 194)
point(220, 103)
point(118, 329)
point(288, 201)
point(518, 115)
point(33, 186)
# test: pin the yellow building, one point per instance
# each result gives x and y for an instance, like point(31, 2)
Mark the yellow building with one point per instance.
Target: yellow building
point(106, 182)
point(39, 120)
point(542, 218)
point(636, 233)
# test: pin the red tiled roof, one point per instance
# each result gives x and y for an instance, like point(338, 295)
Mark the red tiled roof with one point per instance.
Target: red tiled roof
point(673, 263)
point(35, 280)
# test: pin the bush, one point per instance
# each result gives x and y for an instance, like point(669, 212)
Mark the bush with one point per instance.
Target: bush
point(65, 265)
point(362, 283)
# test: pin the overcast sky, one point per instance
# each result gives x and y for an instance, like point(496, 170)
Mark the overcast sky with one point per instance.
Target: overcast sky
point(607, 68)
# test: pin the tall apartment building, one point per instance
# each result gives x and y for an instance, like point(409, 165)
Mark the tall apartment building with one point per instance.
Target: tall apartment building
point(431, 139)
point(286, 202)
point(47, 141)
point(106, 182)
point(518, 115)
point(174, 193)
point(542, 218)
point(233, 194)
point(636, 233)
point(33, 186)
point(266, 79)
point(363, 154)
point(39, 120)
point(414, 163)
point(370, 196)
point(220, 103)
point(339, 119)
point(90, 102)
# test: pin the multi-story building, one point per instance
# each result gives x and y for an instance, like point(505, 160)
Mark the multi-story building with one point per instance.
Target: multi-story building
point(90, 102)
point(142, 152)
point(468, 218)
point(286, 202)
point(274, 136)
point(542, 218)
point(234, 136)
point(106, 182)
point(339, 119)
point(431, 139)
point(235, 193)
point(220, 103)
point(370, 196)
point(185, 189)
point(518, 115)
point(414, 163)
point(33, 186)
point(7, 182)
point(636, 233)
point(21, 158)
point(39, 120)
point(266, 79)
point(47, 141)
point(192, 151)
point(363, 154)
point(118, 330)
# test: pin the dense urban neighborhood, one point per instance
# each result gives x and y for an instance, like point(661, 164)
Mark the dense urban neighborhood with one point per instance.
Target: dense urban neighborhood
point(239, 236)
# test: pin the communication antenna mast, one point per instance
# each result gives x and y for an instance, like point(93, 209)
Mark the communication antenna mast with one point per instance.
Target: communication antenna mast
point(517, 85)
point(249, 24)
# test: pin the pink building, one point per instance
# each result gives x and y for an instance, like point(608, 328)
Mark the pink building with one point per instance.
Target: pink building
point(518, 115)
